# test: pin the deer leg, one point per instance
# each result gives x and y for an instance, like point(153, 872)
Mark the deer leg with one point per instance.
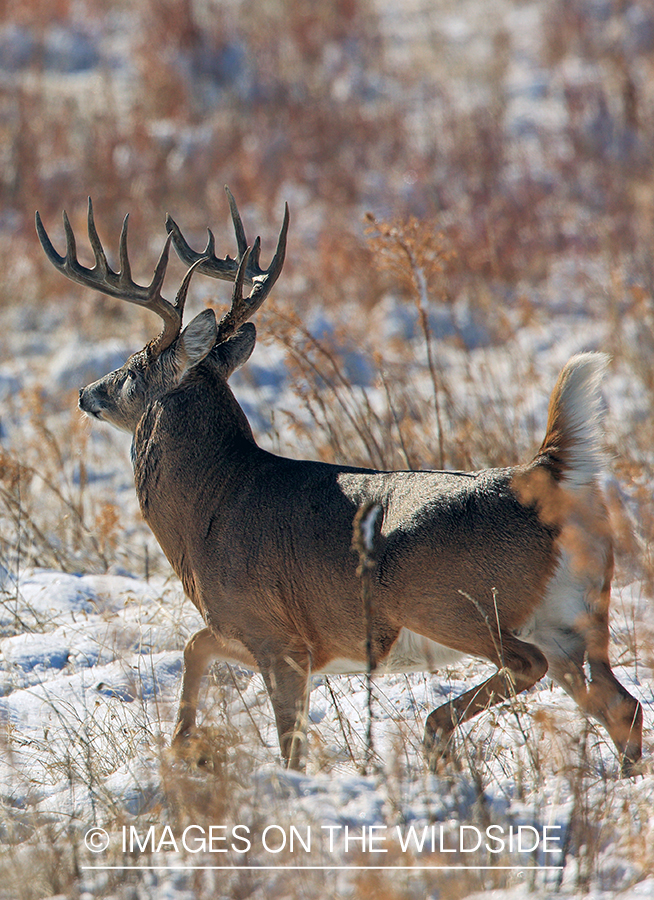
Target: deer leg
point(602, 697)
point(620, 713)
point(199, 652)
point(579, 663)
point(286, 679)
point(523, 665)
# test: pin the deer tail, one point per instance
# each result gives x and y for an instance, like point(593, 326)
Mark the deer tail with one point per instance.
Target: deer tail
point(572, 448)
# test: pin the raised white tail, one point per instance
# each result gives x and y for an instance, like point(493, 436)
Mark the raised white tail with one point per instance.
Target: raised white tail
point(573, 441)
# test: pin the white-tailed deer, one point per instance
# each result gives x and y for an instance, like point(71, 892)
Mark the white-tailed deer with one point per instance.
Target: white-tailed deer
point(510, 565)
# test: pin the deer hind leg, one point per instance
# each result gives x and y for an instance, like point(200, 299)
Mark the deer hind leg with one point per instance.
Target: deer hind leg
point(201, 650)
point(287, 678)
point(574, 635)
point(523, 665)
point(591, 683)
point(620, 713)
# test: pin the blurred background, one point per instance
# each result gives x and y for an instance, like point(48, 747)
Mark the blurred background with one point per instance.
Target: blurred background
point(524, 129)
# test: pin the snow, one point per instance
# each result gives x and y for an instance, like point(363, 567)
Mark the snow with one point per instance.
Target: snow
point(89, 700)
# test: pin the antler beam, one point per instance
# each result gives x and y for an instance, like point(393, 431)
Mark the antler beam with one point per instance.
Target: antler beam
point(102, 277)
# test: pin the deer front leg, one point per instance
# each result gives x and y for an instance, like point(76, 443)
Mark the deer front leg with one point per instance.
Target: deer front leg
point(201, 650)
point(522, 666)
point(199, 653)
point(287, 677)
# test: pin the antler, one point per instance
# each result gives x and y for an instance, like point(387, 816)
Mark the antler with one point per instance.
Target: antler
point(120, 284)
point(244, 269)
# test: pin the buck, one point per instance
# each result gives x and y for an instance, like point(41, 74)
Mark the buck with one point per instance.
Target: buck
point(511, 565)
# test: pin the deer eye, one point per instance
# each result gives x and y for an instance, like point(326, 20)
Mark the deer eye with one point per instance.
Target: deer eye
point(131, 380)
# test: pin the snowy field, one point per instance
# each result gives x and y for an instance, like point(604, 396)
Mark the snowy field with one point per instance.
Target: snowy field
point(90, 682)
point(93, 622)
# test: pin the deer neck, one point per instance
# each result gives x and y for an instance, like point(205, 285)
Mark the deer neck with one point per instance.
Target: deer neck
point(189, 452)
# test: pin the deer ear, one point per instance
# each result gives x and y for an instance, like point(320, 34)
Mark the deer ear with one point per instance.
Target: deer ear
point(197, 339)
point(231, 354)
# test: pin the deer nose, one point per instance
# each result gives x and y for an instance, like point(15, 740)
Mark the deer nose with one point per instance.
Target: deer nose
point(83, 400)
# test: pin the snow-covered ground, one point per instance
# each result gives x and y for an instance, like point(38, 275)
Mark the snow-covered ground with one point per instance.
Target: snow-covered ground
point(91, 671)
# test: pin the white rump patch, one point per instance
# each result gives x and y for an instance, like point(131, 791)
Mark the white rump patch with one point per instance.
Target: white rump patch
point(556, 625)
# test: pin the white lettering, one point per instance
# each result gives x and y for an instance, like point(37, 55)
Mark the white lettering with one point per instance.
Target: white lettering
point(462, 830)
point(331, 829)
point(264, 839)
point(492, 837)
point(529, 828)
point(167, 839)
point(547, 838)
point(201, 844)
point(296, 833)
point(411, 836)
point(238, 837)
point(134, 839)
point(215, 836)
point(445, 849)
point(372, 838)
point(355, 838)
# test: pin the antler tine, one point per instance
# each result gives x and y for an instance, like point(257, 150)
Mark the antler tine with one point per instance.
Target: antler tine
point(185, 253)
point(125, 267)
point(56, 260)
point(239, 310)
point(101, 263)
point(245, 269)
point(118, 284)
point(226, 268)
point(180, 298)
point(212, 265)
point(243, 308)
point(275, 267)
point(71, 248)
point(255, 252)
point(210, 249)
point(241, 240)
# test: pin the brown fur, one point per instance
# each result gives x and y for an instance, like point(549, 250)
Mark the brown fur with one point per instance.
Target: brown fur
point(262, 545)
